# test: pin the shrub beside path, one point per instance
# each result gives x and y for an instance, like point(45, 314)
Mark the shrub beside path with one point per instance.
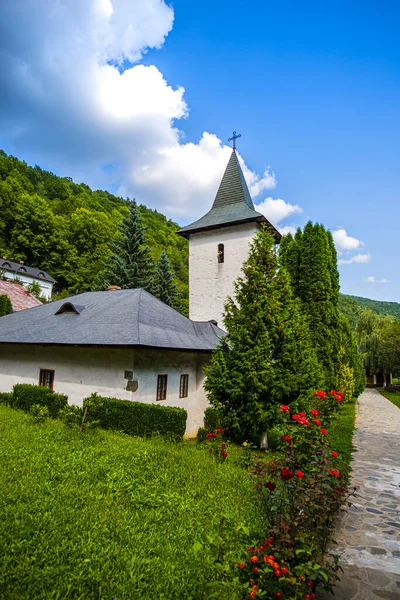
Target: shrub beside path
point(368, 534)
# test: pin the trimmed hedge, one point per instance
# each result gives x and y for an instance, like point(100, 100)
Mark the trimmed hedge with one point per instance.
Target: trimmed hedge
point(136, 418)
point(5, 397)
point(25, 395)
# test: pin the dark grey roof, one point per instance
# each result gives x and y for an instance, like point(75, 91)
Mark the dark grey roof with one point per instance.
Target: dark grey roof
point(112, 318)
point(232, 204)
point(22, 269)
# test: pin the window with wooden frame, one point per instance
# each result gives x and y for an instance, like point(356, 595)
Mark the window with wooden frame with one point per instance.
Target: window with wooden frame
point(220, 253)
point(184, 386)
point(162, 381)
point(46, 378)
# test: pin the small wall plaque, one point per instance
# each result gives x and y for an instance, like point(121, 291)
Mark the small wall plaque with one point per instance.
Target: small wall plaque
point(132, 385)
point(128, 375)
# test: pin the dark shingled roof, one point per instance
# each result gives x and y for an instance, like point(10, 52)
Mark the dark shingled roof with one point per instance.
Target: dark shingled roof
point(22, 269)
point(232, 204)
point(112, 318)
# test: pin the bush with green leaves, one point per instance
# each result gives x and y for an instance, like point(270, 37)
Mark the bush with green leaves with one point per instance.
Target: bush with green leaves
point(71, 415)
point(39, 413)
point(5, 305)
point(24, 396)
point(136, 418)
point(5, 397)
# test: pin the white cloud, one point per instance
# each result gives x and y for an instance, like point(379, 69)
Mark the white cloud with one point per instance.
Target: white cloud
point(75, 100)
point(358, 258)
point(371, 279)
point(285, 229)
point(276, 209)
point(343, 241)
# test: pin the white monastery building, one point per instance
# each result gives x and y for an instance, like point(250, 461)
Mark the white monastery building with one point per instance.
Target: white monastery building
point(26, 275)
point(126, 343)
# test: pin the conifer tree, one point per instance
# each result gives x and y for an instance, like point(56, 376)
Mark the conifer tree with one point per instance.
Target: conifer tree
point(310, 258)
point(5, 305)
point(164, 284)
point(129, 265)
point(266, 359)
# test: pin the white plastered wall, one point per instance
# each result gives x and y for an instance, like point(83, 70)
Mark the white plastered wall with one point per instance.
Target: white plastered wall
point(81, 371)
point(210, 282)
point(46, 287)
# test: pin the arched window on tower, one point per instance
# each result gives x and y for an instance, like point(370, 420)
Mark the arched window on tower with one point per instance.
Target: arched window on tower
point(220, 253)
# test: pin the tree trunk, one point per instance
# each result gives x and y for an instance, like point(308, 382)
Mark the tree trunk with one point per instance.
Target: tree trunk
point(264, 441)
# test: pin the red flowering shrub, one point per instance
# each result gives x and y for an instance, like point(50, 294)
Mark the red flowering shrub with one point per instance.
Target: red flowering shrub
point(219, 448)
point(300, 491)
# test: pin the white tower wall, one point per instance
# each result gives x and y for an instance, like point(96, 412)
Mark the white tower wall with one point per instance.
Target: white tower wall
point(210, 282)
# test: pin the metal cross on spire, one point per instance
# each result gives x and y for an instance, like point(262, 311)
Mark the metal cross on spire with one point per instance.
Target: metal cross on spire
point(234, 138)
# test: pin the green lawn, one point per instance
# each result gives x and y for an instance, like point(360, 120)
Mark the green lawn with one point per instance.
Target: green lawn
point(107, 516)
point(392, 396)
point(341, 430)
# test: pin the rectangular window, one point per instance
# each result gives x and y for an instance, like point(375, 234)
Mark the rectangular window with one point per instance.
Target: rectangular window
point(183, 388)
point(162, 387)
point(46, 378)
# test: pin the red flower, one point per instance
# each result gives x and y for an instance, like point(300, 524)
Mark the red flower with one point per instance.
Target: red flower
point(309, 583)
point(255, 587)
point(223, 446)
point(284, 408)
point(323, 431)
point(255, 570)
point(277, 573)
point(254, 559)
point(334, 472)
point(211, 435)
point(339, 398)
point(285, 571)
point(271, 485)
point(314, 412)
point(334, 454)
point(286, 473)
point(320, 394)
point(224, 454)
point(241, 565)
point(252, 595)
point(287, 438)
point(302, 414)
point(209, 452)
point(278, 595)
point(220, 430)
point(307, 596)
point(317, 422)
point(249, 549)
point(300, 475)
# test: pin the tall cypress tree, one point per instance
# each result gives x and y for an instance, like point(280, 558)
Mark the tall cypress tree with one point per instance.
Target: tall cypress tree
point(311, 261)
point(129, 265)
point(266, 359)
point(164, 283)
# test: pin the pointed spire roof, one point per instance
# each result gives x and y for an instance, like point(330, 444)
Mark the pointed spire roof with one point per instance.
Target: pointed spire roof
point(232, 204)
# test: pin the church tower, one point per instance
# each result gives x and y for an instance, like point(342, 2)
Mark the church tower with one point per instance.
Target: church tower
point(219, 244)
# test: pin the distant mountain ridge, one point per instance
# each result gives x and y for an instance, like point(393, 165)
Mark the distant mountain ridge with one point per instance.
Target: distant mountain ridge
point(351, 307)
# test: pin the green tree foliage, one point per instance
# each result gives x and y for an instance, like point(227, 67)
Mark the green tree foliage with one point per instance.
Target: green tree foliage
point(130, 264)
point(379, 339)
point(311, 261)
point(267, 358)
point(164, 284)
point(351, 361)
point(65, 228)
point(5, 305)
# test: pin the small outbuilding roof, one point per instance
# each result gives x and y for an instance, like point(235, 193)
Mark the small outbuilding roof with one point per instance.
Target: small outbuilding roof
point(23, 269)
point(232, 205)
point(111, 318)
point(19, 296)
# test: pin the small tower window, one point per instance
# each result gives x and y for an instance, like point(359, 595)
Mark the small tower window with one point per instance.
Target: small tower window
point(220, 253)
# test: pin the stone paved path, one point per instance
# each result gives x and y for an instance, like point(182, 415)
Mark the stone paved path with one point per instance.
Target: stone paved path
point(368, 534)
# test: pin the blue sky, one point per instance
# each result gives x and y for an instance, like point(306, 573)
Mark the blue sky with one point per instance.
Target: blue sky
point(120, 93)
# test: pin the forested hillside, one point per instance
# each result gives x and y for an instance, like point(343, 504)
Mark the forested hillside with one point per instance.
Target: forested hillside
point(65, 228)
point(379, 306)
